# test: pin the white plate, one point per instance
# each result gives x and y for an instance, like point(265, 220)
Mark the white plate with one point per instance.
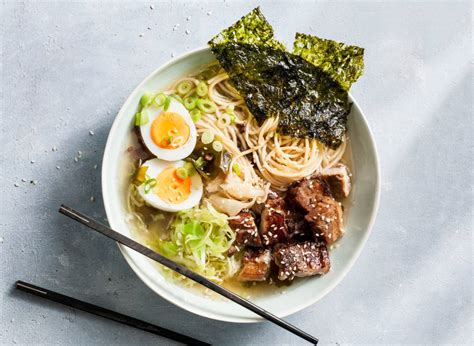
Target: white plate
point(364, 200)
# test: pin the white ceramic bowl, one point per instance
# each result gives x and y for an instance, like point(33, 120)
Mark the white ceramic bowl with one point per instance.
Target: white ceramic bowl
point(364, 200)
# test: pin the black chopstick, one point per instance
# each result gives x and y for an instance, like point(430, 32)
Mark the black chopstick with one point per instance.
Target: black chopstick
point(111, 315)
point(91, 223)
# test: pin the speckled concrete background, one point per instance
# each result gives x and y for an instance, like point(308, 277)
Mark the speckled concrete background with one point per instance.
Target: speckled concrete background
point(68, 67)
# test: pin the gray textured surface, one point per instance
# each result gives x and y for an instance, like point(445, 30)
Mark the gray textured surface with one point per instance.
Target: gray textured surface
point(66, 70)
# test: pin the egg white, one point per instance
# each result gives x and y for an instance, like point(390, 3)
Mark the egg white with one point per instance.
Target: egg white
point(183, 151)
point(155, 167)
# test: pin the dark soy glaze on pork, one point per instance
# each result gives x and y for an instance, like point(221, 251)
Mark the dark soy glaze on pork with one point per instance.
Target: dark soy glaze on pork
point(255, 265)
point(302, 259)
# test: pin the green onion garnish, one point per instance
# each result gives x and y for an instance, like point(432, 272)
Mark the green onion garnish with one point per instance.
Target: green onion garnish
point(160, 99)
point(177, 98)
point(137, 118)
point(223, 121)
point(166, 104)
point(195, 115)
point(190, 102)
point(184, 87)
point(149, 184)
point(146, 99)
point(201, 89)
point(189, 168)
point(199, 162)
point(230, 109)
point(236, 169)
point(207, 137)
point(182, 173)
point(217, 146)
point(141, 118)
point(206, 106)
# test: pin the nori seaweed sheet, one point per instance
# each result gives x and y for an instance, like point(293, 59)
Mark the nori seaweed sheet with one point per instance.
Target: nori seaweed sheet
point(251, 28)
point(344, 63)
point(308, 101)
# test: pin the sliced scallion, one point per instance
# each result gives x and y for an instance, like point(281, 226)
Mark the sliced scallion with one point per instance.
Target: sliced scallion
point(146, 99)
point(217, 146)
point(201, 89)
point(141, 118)
point(230, 109)
point(236, 169)
point(223, 121)
point(160, 99)
point(206, 106)
point(149, 184)
point(137, 118)
point(207, 137)
point(190, 102)
point(195, 115)
point(166, 104)
point(199, 162)
point(189, 168)
point(177, 98)
point(184, 87)
point(182, 173)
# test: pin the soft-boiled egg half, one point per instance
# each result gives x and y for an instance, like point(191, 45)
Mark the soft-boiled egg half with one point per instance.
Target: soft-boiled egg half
point(169, 133)
point(166, 189)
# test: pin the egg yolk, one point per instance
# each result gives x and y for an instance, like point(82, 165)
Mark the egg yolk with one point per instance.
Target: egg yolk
point(169, 130)
point(170, 188)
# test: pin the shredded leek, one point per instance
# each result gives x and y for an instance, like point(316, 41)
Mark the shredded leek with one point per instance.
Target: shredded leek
point(199, 238)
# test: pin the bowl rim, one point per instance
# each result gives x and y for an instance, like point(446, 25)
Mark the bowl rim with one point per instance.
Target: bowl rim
point(107, 200)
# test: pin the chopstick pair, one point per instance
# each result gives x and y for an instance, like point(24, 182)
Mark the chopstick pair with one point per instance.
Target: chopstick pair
point(120, 238)
point(106, 313)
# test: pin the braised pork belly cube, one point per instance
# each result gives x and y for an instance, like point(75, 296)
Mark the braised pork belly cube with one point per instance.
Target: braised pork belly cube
point(273, 227)
point(326, 220)
point(307, 192)
point(298, 227)
point(302, 259)
point(255, 265)
point(246, 232)
point(257, 208)
point(339, 182)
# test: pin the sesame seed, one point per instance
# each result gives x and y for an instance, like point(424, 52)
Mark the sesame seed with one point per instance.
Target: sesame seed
point(91, 133)
point(58, 168)
point(16, 185)
point(187, 32)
